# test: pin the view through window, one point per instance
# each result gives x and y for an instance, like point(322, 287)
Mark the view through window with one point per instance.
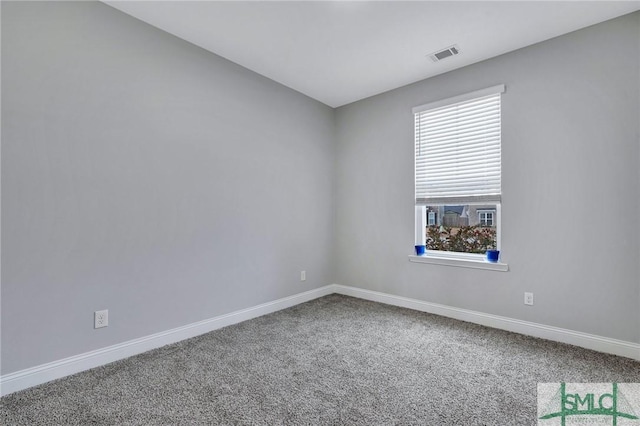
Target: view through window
point(466, 228)
point(458, 172)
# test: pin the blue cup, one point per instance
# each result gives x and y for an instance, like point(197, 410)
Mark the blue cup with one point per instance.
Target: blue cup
point(493, 255)
point(420, 250)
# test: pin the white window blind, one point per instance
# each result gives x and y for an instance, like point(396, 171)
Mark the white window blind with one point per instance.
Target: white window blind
point(457, 143)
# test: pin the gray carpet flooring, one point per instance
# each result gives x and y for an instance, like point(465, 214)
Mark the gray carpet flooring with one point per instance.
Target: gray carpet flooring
point(334, 360)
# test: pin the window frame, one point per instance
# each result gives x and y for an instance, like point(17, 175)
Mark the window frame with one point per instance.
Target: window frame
point(431, 215)
point(486, 212)
point(459, 259)
point(468, 260)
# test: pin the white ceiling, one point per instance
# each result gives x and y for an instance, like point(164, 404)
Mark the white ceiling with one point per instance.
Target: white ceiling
point(341, 51)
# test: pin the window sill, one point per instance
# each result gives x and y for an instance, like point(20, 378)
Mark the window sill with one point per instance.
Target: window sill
point(459, 260)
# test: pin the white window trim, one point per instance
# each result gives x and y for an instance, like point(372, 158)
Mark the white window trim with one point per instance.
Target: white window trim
point(433, 215)
point(450, 258)
point(486, 212)
point(466, 260)
point(500, 88)
point(463, 260)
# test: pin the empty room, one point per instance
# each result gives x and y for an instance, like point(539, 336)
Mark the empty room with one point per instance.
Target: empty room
point(320, 212)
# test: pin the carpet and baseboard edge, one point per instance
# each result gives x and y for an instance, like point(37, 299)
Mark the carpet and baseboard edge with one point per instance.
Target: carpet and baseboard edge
point(33, 376)
point(29, 377)
point(576, 338)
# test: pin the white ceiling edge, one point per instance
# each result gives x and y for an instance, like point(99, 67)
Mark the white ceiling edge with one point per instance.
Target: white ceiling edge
point(339, 52)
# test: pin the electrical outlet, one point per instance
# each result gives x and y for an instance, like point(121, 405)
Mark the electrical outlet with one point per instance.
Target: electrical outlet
point(101, 318)
point(528, 299)
point(303, 275)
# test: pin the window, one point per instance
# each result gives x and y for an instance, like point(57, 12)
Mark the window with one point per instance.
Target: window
point(485, 217)
point(431, 218)
point(458, 173)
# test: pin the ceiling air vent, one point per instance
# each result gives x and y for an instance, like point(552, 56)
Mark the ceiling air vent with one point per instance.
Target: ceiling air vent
point(445, 53)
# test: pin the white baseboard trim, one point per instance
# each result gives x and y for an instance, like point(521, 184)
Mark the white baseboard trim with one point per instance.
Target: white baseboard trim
point(584, 340)
point(29, 377)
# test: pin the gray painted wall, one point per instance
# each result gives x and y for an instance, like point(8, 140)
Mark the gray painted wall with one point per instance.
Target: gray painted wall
point(143, 175)
point(147, 176)
point(571, 117)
